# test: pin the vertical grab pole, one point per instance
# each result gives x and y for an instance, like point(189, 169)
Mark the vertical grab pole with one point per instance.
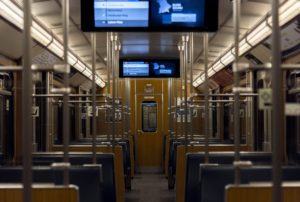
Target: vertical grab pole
point(114, 89)
point(236, 19)
point(65, 15)
point(185, 40)
point(94, 46)
point(108, 64)
point(26, 104)
point(176, 103)
point(191, 58)
point(170, 106)
point(126, 109)
point(181, 84)
point(277, 100)
point(206, 87)
point(128, 106)
point(118, 82)
point(108, 47)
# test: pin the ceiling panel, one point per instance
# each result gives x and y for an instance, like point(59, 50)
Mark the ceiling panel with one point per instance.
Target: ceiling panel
point(149, 45)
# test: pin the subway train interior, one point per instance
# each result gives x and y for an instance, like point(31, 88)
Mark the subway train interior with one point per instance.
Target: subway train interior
point(149, 100)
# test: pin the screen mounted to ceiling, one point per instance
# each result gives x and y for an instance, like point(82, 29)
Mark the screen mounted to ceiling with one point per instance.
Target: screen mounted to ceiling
point(149, 15)
point(149, 68)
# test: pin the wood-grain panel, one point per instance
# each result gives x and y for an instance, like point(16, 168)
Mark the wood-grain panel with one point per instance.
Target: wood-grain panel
point(13, 193)
point(261, 193)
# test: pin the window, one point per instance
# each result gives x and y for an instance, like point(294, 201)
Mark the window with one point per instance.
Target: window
point(149, 116)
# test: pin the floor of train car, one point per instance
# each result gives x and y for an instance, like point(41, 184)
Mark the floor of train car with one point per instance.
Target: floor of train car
point(150, 187)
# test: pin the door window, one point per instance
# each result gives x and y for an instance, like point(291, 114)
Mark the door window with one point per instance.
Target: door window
point(149, 116)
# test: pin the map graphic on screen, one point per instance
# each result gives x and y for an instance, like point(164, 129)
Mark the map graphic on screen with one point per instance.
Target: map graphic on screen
point(121, 13)
point(178, 13)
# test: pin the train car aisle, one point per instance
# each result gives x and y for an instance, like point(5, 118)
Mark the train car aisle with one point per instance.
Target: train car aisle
point(149, 187)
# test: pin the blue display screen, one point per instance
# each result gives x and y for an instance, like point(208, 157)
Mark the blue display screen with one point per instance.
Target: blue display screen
point(178, 13)
point(149, 68)
point(121, 13)
point(135, 69)
point(163, 68)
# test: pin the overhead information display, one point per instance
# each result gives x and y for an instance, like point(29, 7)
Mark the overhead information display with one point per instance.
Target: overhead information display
point(185, 13)
point(149, 68)
point(121, 13)
point(149, 15)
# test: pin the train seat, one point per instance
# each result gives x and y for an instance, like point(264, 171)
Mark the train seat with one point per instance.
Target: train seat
point(213, 180)
point(126, 155)
point(173, 156)
point(106, 160)
point(88, 179)
point(195, 159)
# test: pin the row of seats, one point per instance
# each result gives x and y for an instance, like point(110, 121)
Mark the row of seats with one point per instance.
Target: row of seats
point(196, 160)
point(173, 144)
point(91, 181)
point(213, 180)
point(125, 144)
point(107, 177)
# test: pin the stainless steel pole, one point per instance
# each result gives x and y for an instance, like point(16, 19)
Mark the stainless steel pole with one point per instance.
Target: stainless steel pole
point(206, 87)
point(109, 66)
point(236, 18)
point(176, 107)
point(94, 48)
point(278, 116)
point(27, 104)
point(191, 51)
point(114, 89)
point(108, 61)
point(186, 39)
point(181, 84)
point(128, 106)
point(66, 116)
point(169, 106)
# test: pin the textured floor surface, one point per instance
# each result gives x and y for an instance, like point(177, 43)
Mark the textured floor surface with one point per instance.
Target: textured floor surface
point(150, 188)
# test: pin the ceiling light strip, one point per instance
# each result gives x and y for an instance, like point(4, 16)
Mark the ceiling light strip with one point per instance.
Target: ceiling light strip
point(14, 15)
point(288, 11)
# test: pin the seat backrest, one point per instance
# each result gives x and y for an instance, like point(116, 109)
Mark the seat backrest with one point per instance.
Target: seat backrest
point(88, 179)
point(126, 155)
point(213, 180)
point(193, 160)
point(13, 174)
point(106, 160)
